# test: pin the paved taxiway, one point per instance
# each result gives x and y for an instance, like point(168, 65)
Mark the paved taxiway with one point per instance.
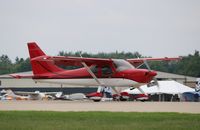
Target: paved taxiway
point(182, 107)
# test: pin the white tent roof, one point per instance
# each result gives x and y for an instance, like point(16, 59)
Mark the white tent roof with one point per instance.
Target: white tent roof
point(167, 87)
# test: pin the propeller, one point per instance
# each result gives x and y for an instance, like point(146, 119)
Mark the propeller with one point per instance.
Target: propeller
point(154, 78)
point(148, 67)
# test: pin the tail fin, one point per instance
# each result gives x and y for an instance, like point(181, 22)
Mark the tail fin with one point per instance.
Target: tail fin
point(40, 66)
point(34, 50)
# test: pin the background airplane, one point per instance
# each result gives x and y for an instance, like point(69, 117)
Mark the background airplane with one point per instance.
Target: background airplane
point(21, 95)
point(10, 95)
point(40, 95)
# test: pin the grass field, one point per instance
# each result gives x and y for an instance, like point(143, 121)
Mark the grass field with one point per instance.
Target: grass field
point(33, 120)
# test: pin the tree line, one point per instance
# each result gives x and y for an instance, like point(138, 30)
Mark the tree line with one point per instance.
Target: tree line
point(189, 65)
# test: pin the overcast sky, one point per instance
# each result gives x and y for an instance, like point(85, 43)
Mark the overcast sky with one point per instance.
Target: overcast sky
point(154, 28)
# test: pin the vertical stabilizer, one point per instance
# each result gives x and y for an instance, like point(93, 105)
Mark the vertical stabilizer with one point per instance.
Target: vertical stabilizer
point(34, 50)
point(41, 66)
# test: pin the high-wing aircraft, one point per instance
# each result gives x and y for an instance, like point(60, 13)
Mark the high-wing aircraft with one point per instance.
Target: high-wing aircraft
point(91, 71)
point(94, 71)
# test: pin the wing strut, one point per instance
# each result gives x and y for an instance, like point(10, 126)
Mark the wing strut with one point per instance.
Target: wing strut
point(94, 77)
point(154, 78)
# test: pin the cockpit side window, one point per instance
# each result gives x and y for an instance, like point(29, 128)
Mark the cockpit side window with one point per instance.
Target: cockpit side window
point(94, 69)
point(106, 70)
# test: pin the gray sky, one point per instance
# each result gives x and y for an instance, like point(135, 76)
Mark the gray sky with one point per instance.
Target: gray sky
point(152, 27)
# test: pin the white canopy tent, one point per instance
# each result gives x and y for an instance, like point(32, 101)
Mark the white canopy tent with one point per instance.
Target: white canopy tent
point(165, 87)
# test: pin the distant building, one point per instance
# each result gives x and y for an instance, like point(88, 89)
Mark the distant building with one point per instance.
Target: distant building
point(186, 80)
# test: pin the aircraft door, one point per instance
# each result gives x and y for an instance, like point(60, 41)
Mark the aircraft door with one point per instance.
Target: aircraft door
point(96, 70)
point(106, 71)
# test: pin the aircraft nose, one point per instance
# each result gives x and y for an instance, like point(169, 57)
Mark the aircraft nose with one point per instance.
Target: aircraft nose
point(153, 73)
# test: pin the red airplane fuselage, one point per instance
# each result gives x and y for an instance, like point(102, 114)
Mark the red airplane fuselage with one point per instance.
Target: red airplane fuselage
point(90, 71)
point(45, 68)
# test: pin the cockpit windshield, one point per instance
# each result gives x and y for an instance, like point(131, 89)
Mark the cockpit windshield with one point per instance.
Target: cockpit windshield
point(122, 64)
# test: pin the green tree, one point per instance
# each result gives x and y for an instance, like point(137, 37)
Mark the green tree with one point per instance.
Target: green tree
point(189, 65)
point(5, 64)
point(21, 65)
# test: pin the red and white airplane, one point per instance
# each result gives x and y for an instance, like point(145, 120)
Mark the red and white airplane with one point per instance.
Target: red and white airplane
point(93, 71)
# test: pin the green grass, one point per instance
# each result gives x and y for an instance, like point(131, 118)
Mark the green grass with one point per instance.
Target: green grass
point(33, 120)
